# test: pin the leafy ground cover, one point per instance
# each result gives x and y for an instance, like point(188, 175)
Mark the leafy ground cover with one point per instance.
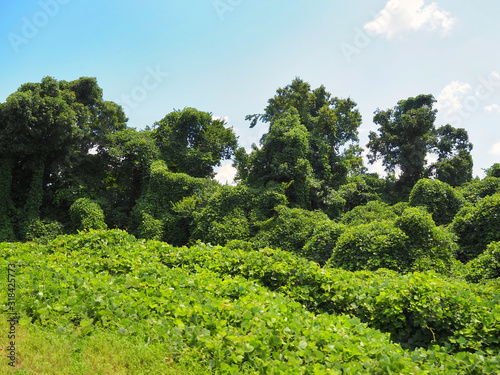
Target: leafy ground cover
point(200, 305)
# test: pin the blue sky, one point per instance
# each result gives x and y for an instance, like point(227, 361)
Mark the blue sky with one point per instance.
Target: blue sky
point(228, 57)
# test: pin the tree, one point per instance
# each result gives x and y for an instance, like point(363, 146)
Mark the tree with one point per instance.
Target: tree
point(454, 165)
point(303, 147)
point(193, 142)
point(405, 136)
point(45, 129)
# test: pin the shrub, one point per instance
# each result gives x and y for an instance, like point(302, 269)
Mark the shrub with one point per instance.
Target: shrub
point(475, 190)
point(150, 228)
point(324, 238)
point(290, 229)
point(224, 217)
point(372, 211)
point(439, 198)
point(428, 246)
point(163, 190)
point(370, 247)
point(486, 265)
point(411, 242)
point(86, 214)
point(43, 231)
point(476, 226)
point(356, 193)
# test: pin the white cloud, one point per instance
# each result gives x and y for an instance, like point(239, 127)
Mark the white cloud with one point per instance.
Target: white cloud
point(225, 175)
point(495, 149)
point(399, 16)
point(451, 97)
point(492, 108)
point(225, 118)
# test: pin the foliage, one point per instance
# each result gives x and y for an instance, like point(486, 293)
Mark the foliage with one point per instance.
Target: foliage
point(439, 198)
point(44, 231)
point(289, 229)
point(405, 136)
point(323, 240)
point(186, 299)
point(418, 309)
point(486, 265)
point(454, 164)
point(155, 208)
point(356, 193)
point(307, 128)
point(370, 247)
point(410, 242)
point(371, 211)
point(193, 142)
point(46, 130)
point(493, 171)
point(86, 214)
point(477, 189)
point(428, 246)
point(476, 226)
point(407, 133)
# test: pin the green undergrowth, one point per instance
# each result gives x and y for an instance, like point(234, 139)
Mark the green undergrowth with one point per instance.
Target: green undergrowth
point(200, 305)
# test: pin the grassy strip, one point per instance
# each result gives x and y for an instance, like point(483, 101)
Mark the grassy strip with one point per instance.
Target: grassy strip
point(45, 351)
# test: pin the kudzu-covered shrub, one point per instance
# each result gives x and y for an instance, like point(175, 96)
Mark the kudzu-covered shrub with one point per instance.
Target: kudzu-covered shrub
point(411, 242)
point(477, 226)
point(439, 198)
point(86, 214)
point(43, 231)
point(224, 216)
point(372, 211)
point(324, 238)
point(486, 265)
point(475, 190)
point(378, 244)
point(154, 209)
point(356, 193)
point(428, 246)
point(289, 229)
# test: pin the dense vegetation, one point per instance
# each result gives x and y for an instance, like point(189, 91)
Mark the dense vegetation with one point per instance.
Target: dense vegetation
point(309, 264)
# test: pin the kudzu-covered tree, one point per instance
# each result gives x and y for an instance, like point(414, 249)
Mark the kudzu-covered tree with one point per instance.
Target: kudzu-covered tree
point(194, 142)
point(303, 146)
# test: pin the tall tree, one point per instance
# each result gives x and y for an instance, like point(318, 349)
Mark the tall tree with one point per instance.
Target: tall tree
point(193, 142)
point(45, 128)
point(454, 164)
point(405, 135)
point(320, 124)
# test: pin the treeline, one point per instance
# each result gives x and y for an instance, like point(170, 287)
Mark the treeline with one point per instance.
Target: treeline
point(69, 162)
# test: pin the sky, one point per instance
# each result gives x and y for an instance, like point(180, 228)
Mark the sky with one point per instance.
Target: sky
point(228, 57)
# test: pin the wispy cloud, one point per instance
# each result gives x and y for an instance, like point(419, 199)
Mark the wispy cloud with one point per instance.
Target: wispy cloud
point(495, 149)
point(492, 108)
point(400, 16)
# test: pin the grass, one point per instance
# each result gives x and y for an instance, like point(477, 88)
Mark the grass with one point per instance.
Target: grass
point(41, 351)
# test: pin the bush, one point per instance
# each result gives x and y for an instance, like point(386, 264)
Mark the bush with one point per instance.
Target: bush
point(428, 246)
point(43, 231)
point(486, 265)
point(324, 238)
point(372, 211)
point(439, 198)
point(478, 189)
point(370, 247)
point(356, 193)
point(411, 242)
point(290, 229)
point(476, 226)
point(224, 217)
point(163, 190)
point(86, 214)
